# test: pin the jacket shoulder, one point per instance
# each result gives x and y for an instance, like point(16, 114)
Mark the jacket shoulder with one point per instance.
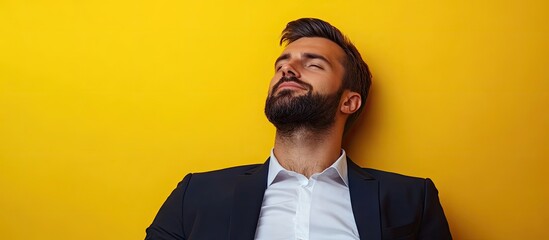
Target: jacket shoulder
point(390, 182)
point(391, 176)
point(222, 177)
point(236, 170)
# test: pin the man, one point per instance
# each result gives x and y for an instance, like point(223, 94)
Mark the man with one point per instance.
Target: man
point(308, 188)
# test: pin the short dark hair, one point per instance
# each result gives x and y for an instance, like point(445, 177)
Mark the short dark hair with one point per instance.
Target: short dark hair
point(357, 77)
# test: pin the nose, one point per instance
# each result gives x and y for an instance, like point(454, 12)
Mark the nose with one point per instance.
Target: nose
point(289, 70)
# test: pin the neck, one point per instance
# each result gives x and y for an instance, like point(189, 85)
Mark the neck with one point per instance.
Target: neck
point(307, 152)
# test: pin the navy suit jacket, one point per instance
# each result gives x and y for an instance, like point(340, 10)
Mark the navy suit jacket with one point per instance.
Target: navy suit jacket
point(225, 204)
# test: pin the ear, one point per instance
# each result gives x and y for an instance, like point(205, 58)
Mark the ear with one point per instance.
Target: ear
point(351, 102)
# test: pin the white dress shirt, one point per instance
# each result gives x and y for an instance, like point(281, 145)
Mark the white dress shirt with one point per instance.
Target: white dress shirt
point(318, 208)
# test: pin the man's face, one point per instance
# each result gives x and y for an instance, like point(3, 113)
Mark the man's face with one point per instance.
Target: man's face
point(306, 88)
point(315, 61)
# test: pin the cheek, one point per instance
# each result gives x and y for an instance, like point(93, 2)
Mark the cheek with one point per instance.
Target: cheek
point(337, 83)
point(274, 80)
point(328, 84)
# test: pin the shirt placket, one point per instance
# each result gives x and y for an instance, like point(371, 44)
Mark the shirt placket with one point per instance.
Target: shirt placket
point(303, 211)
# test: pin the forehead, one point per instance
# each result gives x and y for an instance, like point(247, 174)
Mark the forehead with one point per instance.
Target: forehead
point(322, 46)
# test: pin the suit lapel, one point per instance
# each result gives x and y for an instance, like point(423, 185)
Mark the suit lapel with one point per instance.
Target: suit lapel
point(248, 197)
point(364, 190)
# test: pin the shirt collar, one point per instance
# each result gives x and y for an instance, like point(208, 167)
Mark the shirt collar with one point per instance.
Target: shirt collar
point(340, 166)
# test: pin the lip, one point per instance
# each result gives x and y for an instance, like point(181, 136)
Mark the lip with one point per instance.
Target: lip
point(286, 85)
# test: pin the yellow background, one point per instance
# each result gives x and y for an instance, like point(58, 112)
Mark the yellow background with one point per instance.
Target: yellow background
point(106, 105)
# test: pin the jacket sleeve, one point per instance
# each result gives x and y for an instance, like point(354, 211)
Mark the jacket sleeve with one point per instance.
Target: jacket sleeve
point(168, 223)
point(433, 224)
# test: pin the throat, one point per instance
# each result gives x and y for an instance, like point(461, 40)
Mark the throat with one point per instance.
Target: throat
point(305, 152)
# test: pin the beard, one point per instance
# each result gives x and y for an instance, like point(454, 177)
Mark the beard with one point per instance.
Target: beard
point(312, 112)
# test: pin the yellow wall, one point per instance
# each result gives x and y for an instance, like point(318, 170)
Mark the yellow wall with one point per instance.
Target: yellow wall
point(106, 105)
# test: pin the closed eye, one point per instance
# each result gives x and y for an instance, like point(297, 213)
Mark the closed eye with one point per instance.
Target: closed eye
point(279, 66)
point(315, 66)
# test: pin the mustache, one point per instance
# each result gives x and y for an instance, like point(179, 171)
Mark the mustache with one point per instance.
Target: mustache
point(284, 79)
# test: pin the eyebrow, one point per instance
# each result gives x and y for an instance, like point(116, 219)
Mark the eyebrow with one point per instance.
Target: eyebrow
point(286, 56)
